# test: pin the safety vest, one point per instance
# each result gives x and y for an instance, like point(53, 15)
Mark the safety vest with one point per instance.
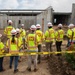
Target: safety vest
point(40, 35)
point(1, 48)
point(59, 35)
point(7, 31)
point(13, 47)
point(20, 41)
point(50, 35)
point(22, 33)
point(69, 33)
point(32, 41)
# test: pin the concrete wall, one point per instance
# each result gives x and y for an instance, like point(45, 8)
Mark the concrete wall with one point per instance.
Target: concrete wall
point(27, 20)
point(47, 16)
point(73, 14)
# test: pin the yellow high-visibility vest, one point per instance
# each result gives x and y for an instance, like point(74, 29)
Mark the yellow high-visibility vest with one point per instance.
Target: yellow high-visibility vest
point(50, 35)
point(69, 33)
point(22, 33)
point(40, 35)
point(13, 47)
point(7, 31)
point(59, 35)
point(32, 41)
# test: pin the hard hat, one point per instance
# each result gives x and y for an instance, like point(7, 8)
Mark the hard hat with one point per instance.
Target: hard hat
point(0, 35)
point(71, 25)
point(13, 32)
point(33, 27)
point(10, 21)
point(17, 30)
point(22, 24)
point(50, 24)
point(38, 26)
point(60, 25)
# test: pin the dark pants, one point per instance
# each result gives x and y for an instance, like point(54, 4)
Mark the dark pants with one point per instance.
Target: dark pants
point(15, 61)
point(39, 50)
point(58, 46)
point(1, 63)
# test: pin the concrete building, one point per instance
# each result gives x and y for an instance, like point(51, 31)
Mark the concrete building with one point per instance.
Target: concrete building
point(29, 17)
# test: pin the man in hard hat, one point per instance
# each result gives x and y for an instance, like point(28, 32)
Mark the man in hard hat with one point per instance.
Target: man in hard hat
point(23, 34)
point(32, 41)
point(1, 57)
point(20, 40)
point(59, 37)
point(8, 29)
point(41, 37)
point(69, 33)
point(49, 37)
point(13, 46)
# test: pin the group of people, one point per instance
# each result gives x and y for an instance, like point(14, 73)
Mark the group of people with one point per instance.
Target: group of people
point(18, 40)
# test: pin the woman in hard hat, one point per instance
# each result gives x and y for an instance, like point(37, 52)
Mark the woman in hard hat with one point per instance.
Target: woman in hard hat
point(1, 57)
point(20, 40)
point(32, 42)
point(13, 45)
point(8, 29)
point(59, 38)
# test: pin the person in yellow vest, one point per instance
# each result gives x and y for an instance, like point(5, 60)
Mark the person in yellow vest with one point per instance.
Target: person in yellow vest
point(49, 37)
point(13, 46)
point(23, 34)
point(32, 41)
point(1, 57)
point(59, 38)
point(69, 34)
point(20, 40)
point(8, 29)
point(41, 37)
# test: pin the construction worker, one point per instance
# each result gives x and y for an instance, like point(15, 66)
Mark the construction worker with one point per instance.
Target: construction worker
point(59, 38)
point(8, 29)
point(13, 46)
point(41, 37)
point(69, 34)
point(49, 37)
point(1, 57)
point(23, 34)
point(20, 40)
point(32, 41)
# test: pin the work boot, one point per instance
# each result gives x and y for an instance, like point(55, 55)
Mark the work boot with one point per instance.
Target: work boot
point(10, 67)
point(15, 71)
point(39, 62)
point(35, 70)
point(29, 69)
point(2, 70)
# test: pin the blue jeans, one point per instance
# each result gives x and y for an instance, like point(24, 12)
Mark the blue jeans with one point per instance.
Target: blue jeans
point(15, 61)
point(1, 63)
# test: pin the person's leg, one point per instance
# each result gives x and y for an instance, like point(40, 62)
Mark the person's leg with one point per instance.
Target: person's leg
point(1, 64)
point(11, 61)
point(51, 48)
point(35, 62)
point(39, 56)
point(23, 42)
point(16, 62)
point(29, 62)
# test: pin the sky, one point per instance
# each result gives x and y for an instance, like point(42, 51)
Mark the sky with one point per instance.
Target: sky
point(58, 5)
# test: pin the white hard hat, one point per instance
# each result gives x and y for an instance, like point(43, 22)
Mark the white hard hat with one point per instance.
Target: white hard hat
point(50, 24)
point(71, 25)
point(17, 30)
point(0, 35)
point(13, 32)
point(33, 27)
point(60, 25)
point(22, 24)
point(9, 21)
point(38, 26)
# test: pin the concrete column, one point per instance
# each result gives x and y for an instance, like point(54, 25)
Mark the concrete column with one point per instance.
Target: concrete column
point(73, 14)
